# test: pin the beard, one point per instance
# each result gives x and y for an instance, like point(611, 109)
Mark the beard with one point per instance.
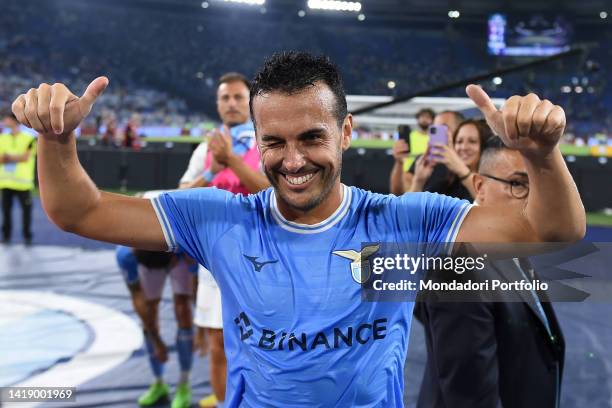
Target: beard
point(423, 126)
point(328, 180)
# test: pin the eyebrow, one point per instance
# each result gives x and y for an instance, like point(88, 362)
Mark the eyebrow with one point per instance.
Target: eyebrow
point(303, 135)
point(311, 132)
point(520, 174)
point(270, 138)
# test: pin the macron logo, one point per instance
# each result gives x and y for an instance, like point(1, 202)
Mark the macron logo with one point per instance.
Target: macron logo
point(258, 265)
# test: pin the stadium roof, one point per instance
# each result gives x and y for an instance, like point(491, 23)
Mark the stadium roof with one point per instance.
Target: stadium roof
point(413, 11)
point(404, 112)
point(438, 9)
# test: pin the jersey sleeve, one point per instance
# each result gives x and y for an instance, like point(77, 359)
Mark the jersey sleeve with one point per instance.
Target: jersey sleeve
point(193, 220)
point(196, 164)
point(431, 218)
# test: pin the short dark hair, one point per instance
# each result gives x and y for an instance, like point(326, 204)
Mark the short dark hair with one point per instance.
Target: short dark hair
point(233, 77)
point(293, 71)
point(426, 111)
point(492, 147)
point(458, 115)
point(11, 115)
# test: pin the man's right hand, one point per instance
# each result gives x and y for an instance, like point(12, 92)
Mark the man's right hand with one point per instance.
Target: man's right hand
point(53, 109)
point(423, 169)
point(400, 150)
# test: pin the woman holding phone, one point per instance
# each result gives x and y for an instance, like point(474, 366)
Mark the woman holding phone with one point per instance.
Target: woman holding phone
point(448, 169)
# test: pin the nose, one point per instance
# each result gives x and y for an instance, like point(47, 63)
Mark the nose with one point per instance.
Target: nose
point(232, 102)
point(293, 159)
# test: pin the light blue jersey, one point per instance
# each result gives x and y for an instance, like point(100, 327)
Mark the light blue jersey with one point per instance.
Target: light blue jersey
point(296, 330)
point(243, 137)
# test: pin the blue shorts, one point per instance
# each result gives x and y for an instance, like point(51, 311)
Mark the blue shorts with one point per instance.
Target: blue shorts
point(127, 263)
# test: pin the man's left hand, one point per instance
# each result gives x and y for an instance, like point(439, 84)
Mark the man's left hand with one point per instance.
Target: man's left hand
point(525, 123)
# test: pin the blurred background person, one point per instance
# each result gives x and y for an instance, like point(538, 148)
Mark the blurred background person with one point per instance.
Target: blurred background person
point(402, 181)
point(153, 269)
point(507, 352)
point(419, 136)
point(17, 164)
point(131, 139)
point(109, 134)
point(128, 265)
point(449, 169)
point(405, 155)
point(232, 158)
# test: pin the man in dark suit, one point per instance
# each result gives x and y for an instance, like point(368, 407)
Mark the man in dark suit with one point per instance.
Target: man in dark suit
point(508, 352)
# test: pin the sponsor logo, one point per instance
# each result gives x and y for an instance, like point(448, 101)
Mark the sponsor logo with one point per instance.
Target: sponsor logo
point(334, 338)
point(257, 264)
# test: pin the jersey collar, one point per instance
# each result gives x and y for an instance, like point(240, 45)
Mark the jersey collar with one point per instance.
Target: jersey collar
point(312, 228)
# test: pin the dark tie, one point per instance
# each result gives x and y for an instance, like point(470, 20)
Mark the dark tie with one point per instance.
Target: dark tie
point(527, 270)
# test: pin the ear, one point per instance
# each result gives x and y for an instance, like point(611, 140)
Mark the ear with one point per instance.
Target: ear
point(347, 132)
point(478, 181)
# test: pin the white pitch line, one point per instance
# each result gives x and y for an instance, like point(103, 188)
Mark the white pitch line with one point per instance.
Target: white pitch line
point(116, 336)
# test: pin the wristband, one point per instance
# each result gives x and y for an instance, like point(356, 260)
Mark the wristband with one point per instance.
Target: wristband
point(208, 176)
point(469, 173)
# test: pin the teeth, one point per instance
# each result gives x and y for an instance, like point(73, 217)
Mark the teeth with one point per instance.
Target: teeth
point(299, 180)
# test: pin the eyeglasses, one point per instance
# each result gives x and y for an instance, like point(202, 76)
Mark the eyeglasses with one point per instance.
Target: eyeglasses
point(518, 189)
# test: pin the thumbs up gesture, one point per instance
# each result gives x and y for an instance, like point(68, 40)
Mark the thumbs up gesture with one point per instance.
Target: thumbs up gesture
point(53, 109)
point(525, 123)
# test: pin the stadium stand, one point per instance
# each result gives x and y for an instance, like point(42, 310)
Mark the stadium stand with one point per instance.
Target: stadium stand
point(171, 85)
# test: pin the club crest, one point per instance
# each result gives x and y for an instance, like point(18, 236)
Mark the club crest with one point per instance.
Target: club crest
point(360, 265)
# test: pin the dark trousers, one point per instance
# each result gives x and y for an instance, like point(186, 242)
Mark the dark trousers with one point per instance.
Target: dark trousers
point(25, 199)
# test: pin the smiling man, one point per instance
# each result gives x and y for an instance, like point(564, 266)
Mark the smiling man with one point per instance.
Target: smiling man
point(296, 330)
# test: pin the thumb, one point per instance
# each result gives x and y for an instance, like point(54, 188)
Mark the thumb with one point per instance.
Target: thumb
point(482, 100)
point(93, 91)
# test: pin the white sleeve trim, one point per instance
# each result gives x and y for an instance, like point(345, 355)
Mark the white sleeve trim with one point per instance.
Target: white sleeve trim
point(455, 227)
point(165, 224)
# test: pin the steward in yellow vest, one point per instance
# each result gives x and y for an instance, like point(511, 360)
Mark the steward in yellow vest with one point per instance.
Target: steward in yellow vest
point(17, 163)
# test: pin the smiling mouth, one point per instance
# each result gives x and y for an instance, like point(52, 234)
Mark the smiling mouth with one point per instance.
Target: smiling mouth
point(295, 180)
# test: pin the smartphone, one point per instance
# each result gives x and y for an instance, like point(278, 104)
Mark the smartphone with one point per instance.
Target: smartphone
point(403, 132)
point(438, 134)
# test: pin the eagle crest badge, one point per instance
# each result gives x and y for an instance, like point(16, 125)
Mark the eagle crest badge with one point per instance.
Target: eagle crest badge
point(360, 265)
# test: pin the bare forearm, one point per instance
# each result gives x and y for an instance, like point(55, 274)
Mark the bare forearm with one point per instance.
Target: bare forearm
point(253, 180)
point(416, 185)
point(396, 180)
point(67, 193)
point(70, 198)
point(197, 182)
point(554, 208)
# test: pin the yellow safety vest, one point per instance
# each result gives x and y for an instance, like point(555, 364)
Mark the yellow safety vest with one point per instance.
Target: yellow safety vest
point(18, 176)
point(418, 145)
